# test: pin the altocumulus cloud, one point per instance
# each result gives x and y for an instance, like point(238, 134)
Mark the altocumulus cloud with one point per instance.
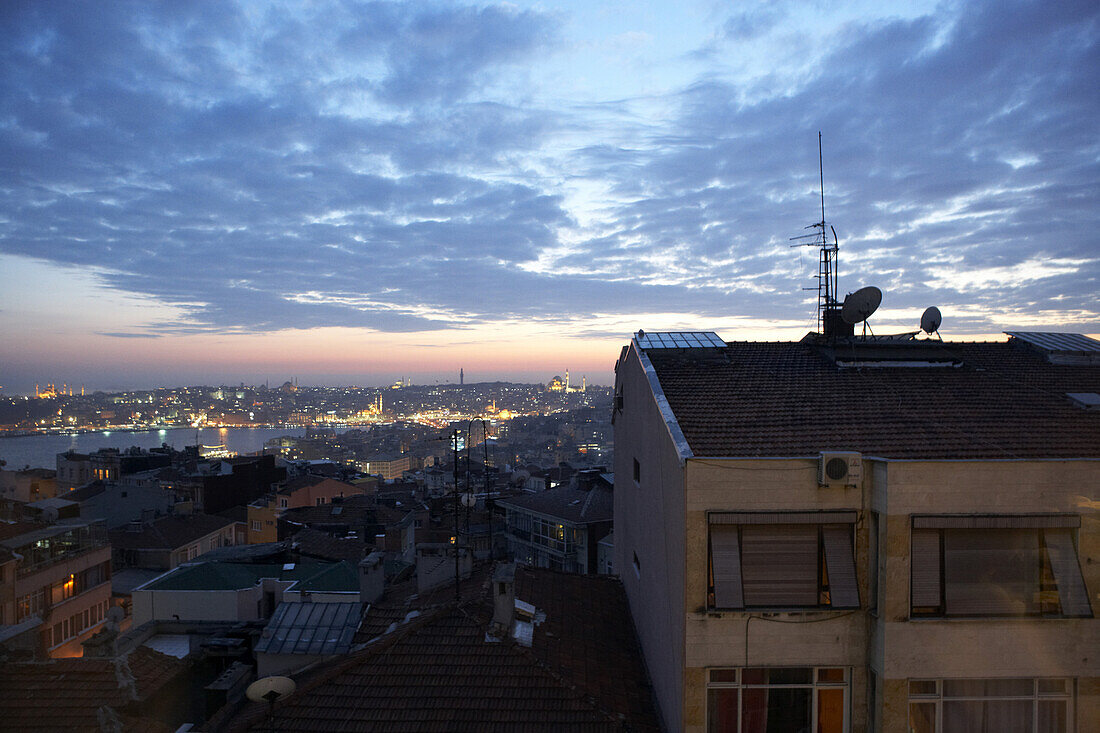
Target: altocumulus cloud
point(398, 166)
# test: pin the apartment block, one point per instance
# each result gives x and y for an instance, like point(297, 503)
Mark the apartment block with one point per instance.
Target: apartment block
point(890, 534)
point(61, 576)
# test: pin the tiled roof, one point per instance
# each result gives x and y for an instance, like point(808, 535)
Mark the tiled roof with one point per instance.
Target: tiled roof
point(71, 694)
point(588, 637)
point(790, 399)
point(315, 543)
point(168, 533)
point(438, 671)
point(572, 505)
point(87, 491)
point(301, 482)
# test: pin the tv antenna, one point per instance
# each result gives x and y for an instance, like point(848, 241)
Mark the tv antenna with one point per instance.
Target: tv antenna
point(828, 315)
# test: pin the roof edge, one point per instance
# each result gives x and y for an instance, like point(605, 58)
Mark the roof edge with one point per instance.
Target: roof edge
point(885, 459)
point(683, 449)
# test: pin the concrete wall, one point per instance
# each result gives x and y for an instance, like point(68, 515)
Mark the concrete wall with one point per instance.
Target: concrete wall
point(649, 523)
point(192, 605)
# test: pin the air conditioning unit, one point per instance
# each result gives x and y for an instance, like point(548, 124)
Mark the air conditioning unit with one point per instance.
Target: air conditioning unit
point(839, 469)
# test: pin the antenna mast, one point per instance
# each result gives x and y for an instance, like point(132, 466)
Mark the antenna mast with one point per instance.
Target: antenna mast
point(828, 309)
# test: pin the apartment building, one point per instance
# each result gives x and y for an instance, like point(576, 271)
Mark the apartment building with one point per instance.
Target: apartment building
point(559, 528)
point(166, 542)
point(62, 576)
point(863, 535)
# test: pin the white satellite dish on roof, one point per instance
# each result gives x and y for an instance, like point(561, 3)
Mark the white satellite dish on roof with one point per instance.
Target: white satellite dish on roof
point(270, 689)
point(859, 306)
point(469, 500)
point(931, 320)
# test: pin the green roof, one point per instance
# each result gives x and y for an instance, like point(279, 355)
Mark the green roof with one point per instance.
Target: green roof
point(316, 577)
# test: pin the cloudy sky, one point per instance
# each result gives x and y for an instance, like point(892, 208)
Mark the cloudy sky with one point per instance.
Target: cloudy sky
point(354, 192)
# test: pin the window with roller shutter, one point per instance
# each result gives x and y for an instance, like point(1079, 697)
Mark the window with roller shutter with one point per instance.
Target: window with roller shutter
point(782, 560)
point(996, 565)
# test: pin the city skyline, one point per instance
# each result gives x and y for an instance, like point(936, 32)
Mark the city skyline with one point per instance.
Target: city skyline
point(355, 193)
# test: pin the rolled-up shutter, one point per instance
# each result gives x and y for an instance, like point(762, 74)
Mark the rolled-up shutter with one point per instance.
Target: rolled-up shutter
point(924, 563)
point(843, 591)
point(725, 557)
point(1067, 573)
point(779, 565)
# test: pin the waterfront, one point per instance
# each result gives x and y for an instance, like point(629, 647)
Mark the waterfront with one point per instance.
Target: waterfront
point(40, 451)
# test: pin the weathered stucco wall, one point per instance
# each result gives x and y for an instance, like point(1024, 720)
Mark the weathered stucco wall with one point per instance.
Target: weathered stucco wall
point(985, 647)
point(649, 521)
point(738, 639)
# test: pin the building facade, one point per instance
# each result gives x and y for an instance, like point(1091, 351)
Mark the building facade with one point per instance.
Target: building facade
point(558, 528)
point(62, 576)
point(874, 538)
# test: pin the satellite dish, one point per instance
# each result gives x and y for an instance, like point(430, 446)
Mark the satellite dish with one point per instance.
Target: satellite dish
point(931, 320)
point(859, 306)
point(270, 689)
point(468, 500)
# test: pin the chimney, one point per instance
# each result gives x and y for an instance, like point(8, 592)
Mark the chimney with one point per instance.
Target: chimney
point(504, 598)
point(372, 578)
point(102, 644)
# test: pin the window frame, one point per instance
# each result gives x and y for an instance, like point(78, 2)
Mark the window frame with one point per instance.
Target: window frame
point(815, 685)
point(937, 698)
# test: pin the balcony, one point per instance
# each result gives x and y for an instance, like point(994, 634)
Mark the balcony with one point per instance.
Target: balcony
point(58, 543)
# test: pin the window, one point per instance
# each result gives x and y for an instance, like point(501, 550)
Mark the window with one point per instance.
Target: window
point(63, 589)
point(31, 604)
point(637, 472)
point(782, 560)
point(996, 566)
point(757, 699)
point(1001, 705)
point(550, 534)
point(283, 503)
point(257, 525)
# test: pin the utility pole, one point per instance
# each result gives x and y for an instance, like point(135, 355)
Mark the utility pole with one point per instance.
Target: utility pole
point(458, 575)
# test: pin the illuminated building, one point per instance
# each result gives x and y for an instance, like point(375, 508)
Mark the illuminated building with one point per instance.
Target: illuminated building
point(62, 577)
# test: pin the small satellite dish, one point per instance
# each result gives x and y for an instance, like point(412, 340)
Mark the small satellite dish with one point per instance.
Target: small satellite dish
point(468, 500)
point(859, 306)
point(270, 689)
point(931, 320)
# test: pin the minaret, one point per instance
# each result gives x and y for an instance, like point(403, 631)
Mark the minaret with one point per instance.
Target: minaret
point(566, 380)
point(461, 377)
point(584, 383)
